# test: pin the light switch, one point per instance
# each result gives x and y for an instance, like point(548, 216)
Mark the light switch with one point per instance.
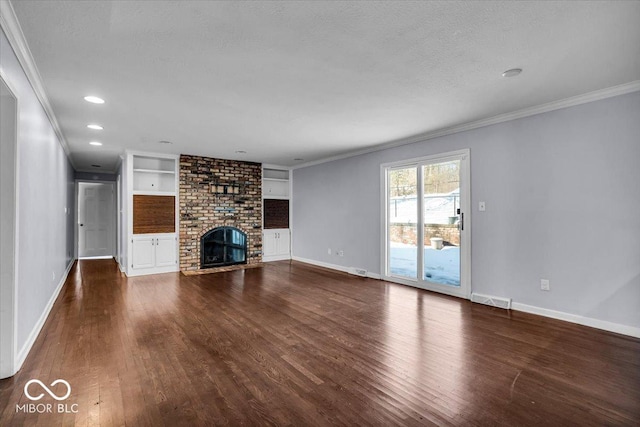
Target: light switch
point(481, 207)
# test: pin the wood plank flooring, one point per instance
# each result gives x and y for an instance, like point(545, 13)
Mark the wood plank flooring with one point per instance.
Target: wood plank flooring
point(292, 344)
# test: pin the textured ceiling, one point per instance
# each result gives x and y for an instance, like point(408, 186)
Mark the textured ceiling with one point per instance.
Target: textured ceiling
point(286, 80)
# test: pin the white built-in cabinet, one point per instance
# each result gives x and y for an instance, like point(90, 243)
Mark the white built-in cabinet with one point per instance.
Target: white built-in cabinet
point(276, 242)
point(153, 250)
point(150, 213)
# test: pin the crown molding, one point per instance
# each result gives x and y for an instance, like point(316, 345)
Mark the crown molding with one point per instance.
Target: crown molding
point(597, 95)
point(12, 29)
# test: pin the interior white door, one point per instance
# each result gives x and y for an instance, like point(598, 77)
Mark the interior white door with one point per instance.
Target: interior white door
point(95, 219)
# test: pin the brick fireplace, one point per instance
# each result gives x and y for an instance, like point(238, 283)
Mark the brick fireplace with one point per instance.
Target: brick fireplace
point(218, 193)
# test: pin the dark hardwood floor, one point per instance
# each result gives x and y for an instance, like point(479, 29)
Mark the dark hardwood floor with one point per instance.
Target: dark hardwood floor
point(291, 344)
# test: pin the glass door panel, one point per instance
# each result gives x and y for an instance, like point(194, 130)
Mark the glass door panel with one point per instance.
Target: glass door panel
point(402, 224)
point(441, 220)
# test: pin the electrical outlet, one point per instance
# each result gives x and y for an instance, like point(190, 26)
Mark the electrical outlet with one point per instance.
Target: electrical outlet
point(544, 285)
point(340, 253)
point(329, 251)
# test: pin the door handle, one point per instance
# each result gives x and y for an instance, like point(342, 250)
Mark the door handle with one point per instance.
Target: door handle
point(461, 221)
point(81, 225)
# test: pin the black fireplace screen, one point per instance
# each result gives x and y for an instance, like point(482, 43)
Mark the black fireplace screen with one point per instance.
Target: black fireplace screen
point(223, 246)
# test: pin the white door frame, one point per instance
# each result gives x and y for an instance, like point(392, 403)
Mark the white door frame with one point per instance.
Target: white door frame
point(464, 291)
point(76, 228)
point(9, 288)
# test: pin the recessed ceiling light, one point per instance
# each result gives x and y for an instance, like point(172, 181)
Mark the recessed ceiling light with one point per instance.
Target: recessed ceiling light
point(95, 127)
point(94, 99)
point(96, 143)
point(298, 159)
point(165, 142)
point(512, 72)
point(241, 152)
point(96, 166)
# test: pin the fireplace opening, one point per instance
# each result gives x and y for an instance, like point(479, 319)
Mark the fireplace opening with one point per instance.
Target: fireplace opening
point(223, 246)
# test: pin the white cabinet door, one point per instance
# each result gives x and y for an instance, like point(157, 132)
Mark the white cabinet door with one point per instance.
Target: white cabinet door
point(143, 252)
point(269, 243)
point(276, 244)
point(165, 251)
point(283, 242)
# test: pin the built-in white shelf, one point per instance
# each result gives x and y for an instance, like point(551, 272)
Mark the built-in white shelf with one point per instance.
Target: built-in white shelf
point(270, 173)
point(150, 250)
point(154, 175)
point(153, 171)
point(275, 183)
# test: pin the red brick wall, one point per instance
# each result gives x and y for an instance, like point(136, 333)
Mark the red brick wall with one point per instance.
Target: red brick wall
point(202, 209)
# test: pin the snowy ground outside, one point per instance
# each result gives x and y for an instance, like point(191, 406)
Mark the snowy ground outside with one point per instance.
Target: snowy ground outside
point(440, 266)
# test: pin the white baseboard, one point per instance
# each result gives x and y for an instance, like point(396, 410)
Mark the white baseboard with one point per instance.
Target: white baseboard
point(275, 258)
point(133, 272)
point(560, 315)
point(97, 257)
point(26, 348)
point(581, 320)
point(332, 266)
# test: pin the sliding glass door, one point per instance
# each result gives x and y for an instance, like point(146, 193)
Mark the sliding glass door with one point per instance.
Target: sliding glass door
point(426, 241)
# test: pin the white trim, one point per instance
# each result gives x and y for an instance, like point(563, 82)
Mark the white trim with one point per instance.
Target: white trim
point(175, 157)
point(272, 166)
point(12, 29)
point(596, 95)
point(26, 348)
point(332, 266)
point(97, 257)
point(275, 258)
point(553, 314)
point(580, 320)
point(13, 301)
point(416, 161)
point(446, 290)
point(384, 243)
point(133, 272)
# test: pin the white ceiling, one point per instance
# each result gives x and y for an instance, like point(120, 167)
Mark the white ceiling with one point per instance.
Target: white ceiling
point(310, 80)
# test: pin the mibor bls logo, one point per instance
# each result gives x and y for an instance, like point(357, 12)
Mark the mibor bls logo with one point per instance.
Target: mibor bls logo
point(50, 408)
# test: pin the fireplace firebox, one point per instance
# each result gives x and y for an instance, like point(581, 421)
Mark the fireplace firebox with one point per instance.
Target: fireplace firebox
point(223, 246)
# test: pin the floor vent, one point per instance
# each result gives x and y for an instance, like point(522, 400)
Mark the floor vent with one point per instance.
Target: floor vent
point(492, 301)
point(358, 271)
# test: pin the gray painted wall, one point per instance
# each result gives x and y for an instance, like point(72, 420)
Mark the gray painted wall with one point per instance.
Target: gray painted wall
point(562, 193)
point(46, 201)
